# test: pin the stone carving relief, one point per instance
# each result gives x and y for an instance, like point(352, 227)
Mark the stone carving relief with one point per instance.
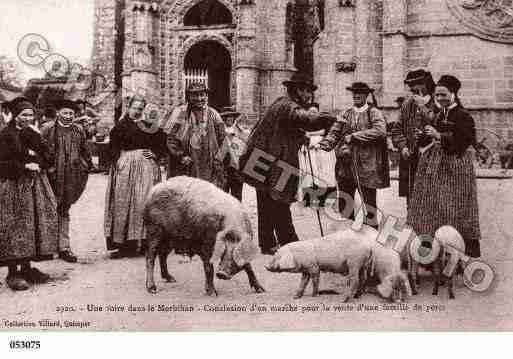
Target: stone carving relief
point(346, 3)
point(175, 11)
point(142, 59)
point(346, 66)
point(488, 19)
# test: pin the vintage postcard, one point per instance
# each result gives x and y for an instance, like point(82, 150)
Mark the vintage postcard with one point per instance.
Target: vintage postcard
point(251, 165)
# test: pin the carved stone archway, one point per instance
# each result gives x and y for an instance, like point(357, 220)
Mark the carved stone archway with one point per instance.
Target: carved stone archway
point(176, 11)
point(186, 43)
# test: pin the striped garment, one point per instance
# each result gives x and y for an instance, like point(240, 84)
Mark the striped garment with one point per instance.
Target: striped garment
point(198, 138)
point(28, 209)
point(445, 194)
point(411, 117)
point(28, 219)
point(130, 181)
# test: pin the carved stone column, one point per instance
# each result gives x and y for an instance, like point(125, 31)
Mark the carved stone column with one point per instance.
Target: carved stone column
point(246, 68)
point(394, 49)
point(140, 75)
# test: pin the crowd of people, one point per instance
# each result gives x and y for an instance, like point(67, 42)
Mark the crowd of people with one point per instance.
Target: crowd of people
point(44, 169)
point(43, 172)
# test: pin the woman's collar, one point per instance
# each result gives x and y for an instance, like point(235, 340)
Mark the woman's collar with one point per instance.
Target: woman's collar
point(361, 109)
point(426, 99)
point(151, 129)
point(454, 105)
point(63, 125)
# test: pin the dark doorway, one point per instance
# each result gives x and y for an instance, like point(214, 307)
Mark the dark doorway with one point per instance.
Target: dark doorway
point(207, 13)
point(216, 59)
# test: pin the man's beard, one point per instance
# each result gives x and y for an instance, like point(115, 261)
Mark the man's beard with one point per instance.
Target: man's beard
point(300, 101)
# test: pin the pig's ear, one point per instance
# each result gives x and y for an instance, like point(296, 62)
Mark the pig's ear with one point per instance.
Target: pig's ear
point(245, 251)
point(219, 248)
point(385, 288)
point(287, 261)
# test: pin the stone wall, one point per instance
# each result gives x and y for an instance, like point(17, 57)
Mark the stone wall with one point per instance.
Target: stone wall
point(377, 41)
point(388, 38)
point(106, 56)
point(276, 56)
point(335, 45)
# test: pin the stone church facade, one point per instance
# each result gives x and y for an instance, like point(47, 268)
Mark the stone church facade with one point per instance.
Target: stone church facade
point(246, 48)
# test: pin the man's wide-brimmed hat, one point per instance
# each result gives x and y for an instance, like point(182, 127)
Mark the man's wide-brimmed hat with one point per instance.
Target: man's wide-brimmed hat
point(301, 79)
point(360, 87)
point(18, 104)
point(197, 86)
point(416, 76)
point(65, 103)
point(229, 111)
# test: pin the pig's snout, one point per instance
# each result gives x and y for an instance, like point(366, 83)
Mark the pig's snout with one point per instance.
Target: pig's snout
point(223, 275)
point(227, 267)
point(272, 266)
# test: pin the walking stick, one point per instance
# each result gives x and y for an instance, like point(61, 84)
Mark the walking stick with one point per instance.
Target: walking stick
point(358, 225)
point(314, 186)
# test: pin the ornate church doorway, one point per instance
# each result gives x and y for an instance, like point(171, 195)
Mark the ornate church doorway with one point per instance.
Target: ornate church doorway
point(210, 62)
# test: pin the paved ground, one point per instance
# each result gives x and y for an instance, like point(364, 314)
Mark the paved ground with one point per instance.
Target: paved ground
point(97, 282)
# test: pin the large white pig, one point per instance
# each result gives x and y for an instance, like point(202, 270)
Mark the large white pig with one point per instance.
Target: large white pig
point(193, 215)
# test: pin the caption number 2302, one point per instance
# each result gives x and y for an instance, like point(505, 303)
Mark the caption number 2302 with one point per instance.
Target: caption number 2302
point(25, 344)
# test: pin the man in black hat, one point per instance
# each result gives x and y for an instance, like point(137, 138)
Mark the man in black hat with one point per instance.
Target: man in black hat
point(418, 110)
point(359, 140)
point(271, 162)
point(68, 145)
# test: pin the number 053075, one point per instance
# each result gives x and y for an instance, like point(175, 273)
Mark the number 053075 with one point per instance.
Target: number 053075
point(25, 344)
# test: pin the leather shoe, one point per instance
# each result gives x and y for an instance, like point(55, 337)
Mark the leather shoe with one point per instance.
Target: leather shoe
point(17, 282)
point(68, 256)
point(34, 275)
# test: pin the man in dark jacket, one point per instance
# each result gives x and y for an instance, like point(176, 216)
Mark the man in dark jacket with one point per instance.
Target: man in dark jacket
point(271, 163)
point(68, 178)
point(359, 140)
point(416, 112)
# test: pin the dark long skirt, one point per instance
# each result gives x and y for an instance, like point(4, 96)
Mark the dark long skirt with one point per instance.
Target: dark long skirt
point(28, 220)
point(445, 193)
